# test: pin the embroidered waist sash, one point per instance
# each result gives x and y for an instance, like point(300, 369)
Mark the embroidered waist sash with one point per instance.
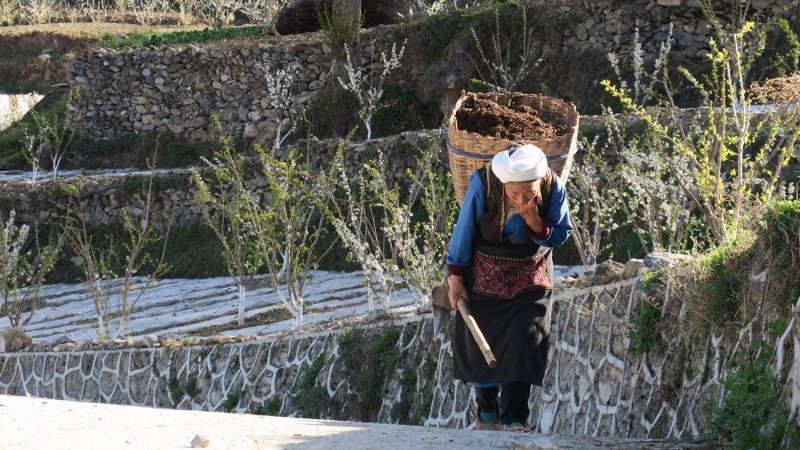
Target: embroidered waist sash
point(505, 276)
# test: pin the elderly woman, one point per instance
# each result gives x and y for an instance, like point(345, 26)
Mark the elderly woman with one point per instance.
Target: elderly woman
point(500, 260)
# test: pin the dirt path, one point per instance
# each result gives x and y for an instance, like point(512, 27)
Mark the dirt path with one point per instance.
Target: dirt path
point(34, 423)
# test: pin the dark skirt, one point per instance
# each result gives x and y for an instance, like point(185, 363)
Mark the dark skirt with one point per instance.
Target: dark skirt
point(517, 329)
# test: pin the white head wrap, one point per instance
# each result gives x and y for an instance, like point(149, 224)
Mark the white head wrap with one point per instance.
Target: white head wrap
point(526, 163)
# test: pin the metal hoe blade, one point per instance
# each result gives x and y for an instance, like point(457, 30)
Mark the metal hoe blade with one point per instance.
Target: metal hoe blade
point(440, 303)
point(440, 318)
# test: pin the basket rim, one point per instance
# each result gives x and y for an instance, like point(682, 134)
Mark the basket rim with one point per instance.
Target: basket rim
point(572, 114)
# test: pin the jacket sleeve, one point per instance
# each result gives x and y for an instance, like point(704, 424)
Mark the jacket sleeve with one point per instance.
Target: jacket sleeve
point(558, 221)
point(459, 256)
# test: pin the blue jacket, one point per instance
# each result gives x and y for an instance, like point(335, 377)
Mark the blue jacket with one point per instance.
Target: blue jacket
point(558, 225)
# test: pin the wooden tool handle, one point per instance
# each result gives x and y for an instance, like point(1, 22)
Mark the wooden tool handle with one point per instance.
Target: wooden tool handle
point(476, 332)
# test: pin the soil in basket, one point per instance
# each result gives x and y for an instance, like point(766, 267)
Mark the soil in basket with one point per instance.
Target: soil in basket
point(517, 122)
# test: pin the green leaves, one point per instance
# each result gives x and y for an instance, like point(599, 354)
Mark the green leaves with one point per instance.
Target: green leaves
point(751, 415)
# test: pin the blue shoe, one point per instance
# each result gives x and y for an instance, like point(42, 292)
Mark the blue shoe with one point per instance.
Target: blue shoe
point(487, 419)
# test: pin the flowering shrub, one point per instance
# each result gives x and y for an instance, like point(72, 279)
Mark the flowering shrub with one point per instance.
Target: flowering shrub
point(21, 277)
point(277, 230)
point(593, 205)
point(9, 12)
point(726, 160)
point(369, 96)
point(397, 234)
point(504, 72)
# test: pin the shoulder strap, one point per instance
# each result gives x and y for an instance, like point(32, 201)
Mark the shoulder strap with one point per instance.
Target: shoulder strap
point(547, 187)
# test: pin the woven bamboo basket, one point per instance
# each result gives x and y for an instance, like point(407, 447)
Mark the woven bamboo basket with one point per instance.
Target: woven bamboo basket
point(471, 151)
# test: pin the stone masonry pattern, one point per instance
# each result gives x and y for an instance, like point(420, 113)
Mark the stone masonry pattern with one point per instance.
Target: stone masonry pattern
point(594, 385)
point(177, 90)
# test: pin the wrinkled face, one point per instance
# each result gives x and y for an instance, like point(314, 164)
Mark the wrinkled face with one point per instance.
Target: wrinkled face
point(523, 192)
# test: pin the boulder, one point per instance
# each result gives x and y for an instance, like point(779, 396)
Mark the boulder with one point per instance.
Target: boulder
point(662, 260)
point(632, 268)
point(608, 272)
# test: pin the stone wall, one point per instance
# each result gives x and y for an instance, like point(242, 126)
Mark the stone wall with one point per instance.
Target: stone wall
point(176, 90)
point(108, 199)
point(594, 385)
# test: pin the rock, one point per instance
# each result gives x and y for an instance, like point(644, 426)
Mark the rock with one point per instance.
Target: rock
point(669, 2)
point(585, 279)
point(703, 27)
point(200, 441)
point(196, 122)
point(568, 281)
point(65, 347)
point(662, 260)
point(151, 341)
point(14, 339)
point(250, 130)
point(608, 272)
point(581, 32)
point(683, 38)
point(40, 347)
point(632, 268)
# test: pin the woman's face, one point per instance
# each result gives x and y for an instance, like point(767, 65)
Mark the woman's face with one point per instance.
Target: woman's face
point(523, 192)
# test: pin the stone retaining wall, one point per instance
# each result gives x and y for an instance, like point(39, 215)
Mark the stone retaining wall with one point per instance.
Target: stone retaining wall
point(594, 385)
point(176, 90)
point(109, 199)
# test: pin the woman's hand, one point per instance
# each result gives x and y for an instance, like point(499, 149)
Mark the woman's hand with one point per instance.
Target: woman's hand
point(530, 212)
point(457, 289)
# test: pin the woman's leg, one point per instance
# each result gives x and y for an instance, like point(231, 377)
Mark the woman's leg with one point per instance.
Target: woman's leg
point(486, 396)
point(487, 414)
point(514, 402)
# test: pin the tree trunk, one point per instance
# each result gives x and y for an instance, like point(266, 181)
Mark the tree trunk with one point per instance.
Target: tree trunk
point(242, 297)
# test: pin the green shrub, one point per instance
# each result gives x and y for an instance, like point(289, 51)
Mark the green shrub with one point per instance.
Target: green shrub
point(146, 38)
point(271, 407)
point(176, 391)
point(232, 399)
point(192, 252)
point(427, 373)
point(401, 111)
point(190, 387)
point(368, 358)
point(332, 113)
point(14, 139)
point(723, 273)
point(135, 151)
point(309, 396)
point(752, 415)
point(340, 25)
point(645, 334)
point(160, 182)
point(780, 240)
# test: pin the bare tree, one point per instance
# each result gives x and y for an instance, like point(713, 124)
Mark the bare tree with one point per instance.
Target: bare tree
point(225, 200)
point(115, 295)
